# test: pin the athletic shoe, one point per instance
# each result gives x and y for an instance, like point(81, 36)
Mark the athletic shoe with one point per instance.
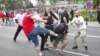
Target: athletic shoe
point(86, 48)
point(40, 54)
point(75, 47)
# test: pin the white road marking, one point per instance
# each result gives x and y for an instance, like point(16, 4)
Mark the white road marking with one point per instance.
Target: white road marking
point(87, 35)
point(73, 52)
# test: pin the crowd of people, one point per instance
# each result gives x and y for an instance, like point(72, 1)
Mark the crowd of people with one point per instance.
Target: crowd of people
point(44, 23)
point(47, 23)
point(7, 17)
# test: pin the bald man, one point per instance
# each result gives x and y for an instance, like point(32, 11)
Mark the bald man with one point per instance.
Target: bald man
point(78, 20)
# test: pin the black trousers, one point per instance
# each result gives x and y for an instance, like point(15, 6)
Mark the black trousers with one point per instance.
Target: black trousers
point(50, 27)
point(43, 41)
point(7, 20)
point(19, 28)
point(98, 19)
point(3, 20)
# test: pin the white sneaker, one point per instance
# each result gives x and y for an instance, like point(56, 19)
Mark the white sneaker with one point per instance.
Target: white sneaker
point(61, 51)
point(40, 54)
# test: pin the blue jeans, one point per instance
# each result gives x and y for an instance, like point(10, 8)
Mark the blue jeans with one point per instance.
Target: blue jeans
point(35, 32)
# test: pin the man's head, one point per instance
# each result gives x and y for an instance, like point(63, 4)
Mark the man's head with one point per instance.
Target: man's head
point(42, 11)
point(30, 11)
point(20, 11)
point(77, 13)
point(48, 9)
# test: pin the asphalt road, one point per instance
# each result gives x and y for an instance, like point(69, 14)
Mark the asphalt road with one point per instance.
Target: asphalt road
point(24, 48)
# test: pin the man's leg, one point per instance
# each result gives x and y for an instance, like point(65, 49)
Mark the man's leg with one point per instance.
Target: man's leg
point(83, 36)
point(64, 44)
point(3, 20)
point(75, 40)
point(99, 21)
point(43, 41)
point(64, 41)
point(52, 38)
point(7, 20)
point(35, 40)
point(50, 27)
point(19, 28)
point(29, 39)
point(53, 33)
point(46, 31)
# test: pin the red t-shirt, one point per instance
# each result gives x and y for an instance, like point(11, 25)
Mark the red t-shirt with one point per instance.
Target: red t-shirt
point(11, 15)
point(2, 15)
point(28, 24)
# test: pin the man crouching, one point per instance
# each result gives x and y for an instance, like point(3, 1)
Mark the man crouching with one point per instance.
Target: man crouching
point(62, 31)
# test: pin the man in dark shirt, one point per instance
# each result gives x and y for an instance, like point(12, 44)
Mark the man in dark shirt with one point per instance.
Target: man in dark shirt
point(64, 17)
point(50, 16)
point(7, 18)
point(63, 30)
point(98, 16)
point(72, 13)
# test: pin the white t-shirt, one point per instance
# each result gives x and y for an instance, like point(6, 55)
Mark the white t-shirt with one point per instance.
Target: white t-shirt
point(20, 18)
point(80, 23)
point(60, 10)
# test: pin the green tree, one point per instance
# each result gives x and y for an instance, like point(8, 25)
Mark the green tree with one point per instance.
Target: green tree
point(51, 1)
point(14, 4)
point(43, 1)
point(29, 5)
point(96, 3)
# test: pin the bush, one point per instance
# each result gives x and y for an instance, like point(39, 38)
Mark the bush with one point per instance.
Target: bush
point(86, 16)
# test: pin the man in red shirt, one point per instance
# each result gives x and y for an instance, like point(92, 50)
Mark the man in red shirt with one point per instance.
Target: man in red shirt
point(2, 16)
point(31, 29)
point(11, 16)
point(28, 23)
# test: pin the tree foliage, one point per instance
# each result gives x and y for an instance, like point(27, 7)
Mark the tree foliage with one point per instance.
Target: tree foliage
point(43, 1)
point(11, 4)
point(14, 4)
point(51, 1)
point(96, 3)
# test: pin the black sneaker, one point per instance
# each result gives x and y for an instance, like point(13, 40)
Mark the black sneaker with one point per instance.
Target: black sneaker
point(75, 47)
point(86, 48)
point(29, 40)
point(14, 40)
point(44, 49)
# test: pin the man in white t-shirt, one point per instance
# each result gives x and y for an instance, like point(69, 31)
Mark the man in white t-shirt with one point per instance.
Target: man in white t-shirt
point(78, 20)
point(18, 19)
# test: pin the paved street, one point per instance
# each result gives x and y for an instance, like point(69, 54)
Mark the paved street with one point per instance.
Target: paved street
point(23, 48)
point(15, 13)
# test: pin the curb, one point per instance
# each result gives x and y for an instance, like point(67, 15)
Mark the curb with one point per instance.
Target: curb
point(93, 26)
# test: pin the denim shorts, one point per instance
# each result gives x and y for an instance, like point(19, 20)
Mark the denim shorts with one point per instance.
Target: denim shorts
point(35, 32)
point(50, 27)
